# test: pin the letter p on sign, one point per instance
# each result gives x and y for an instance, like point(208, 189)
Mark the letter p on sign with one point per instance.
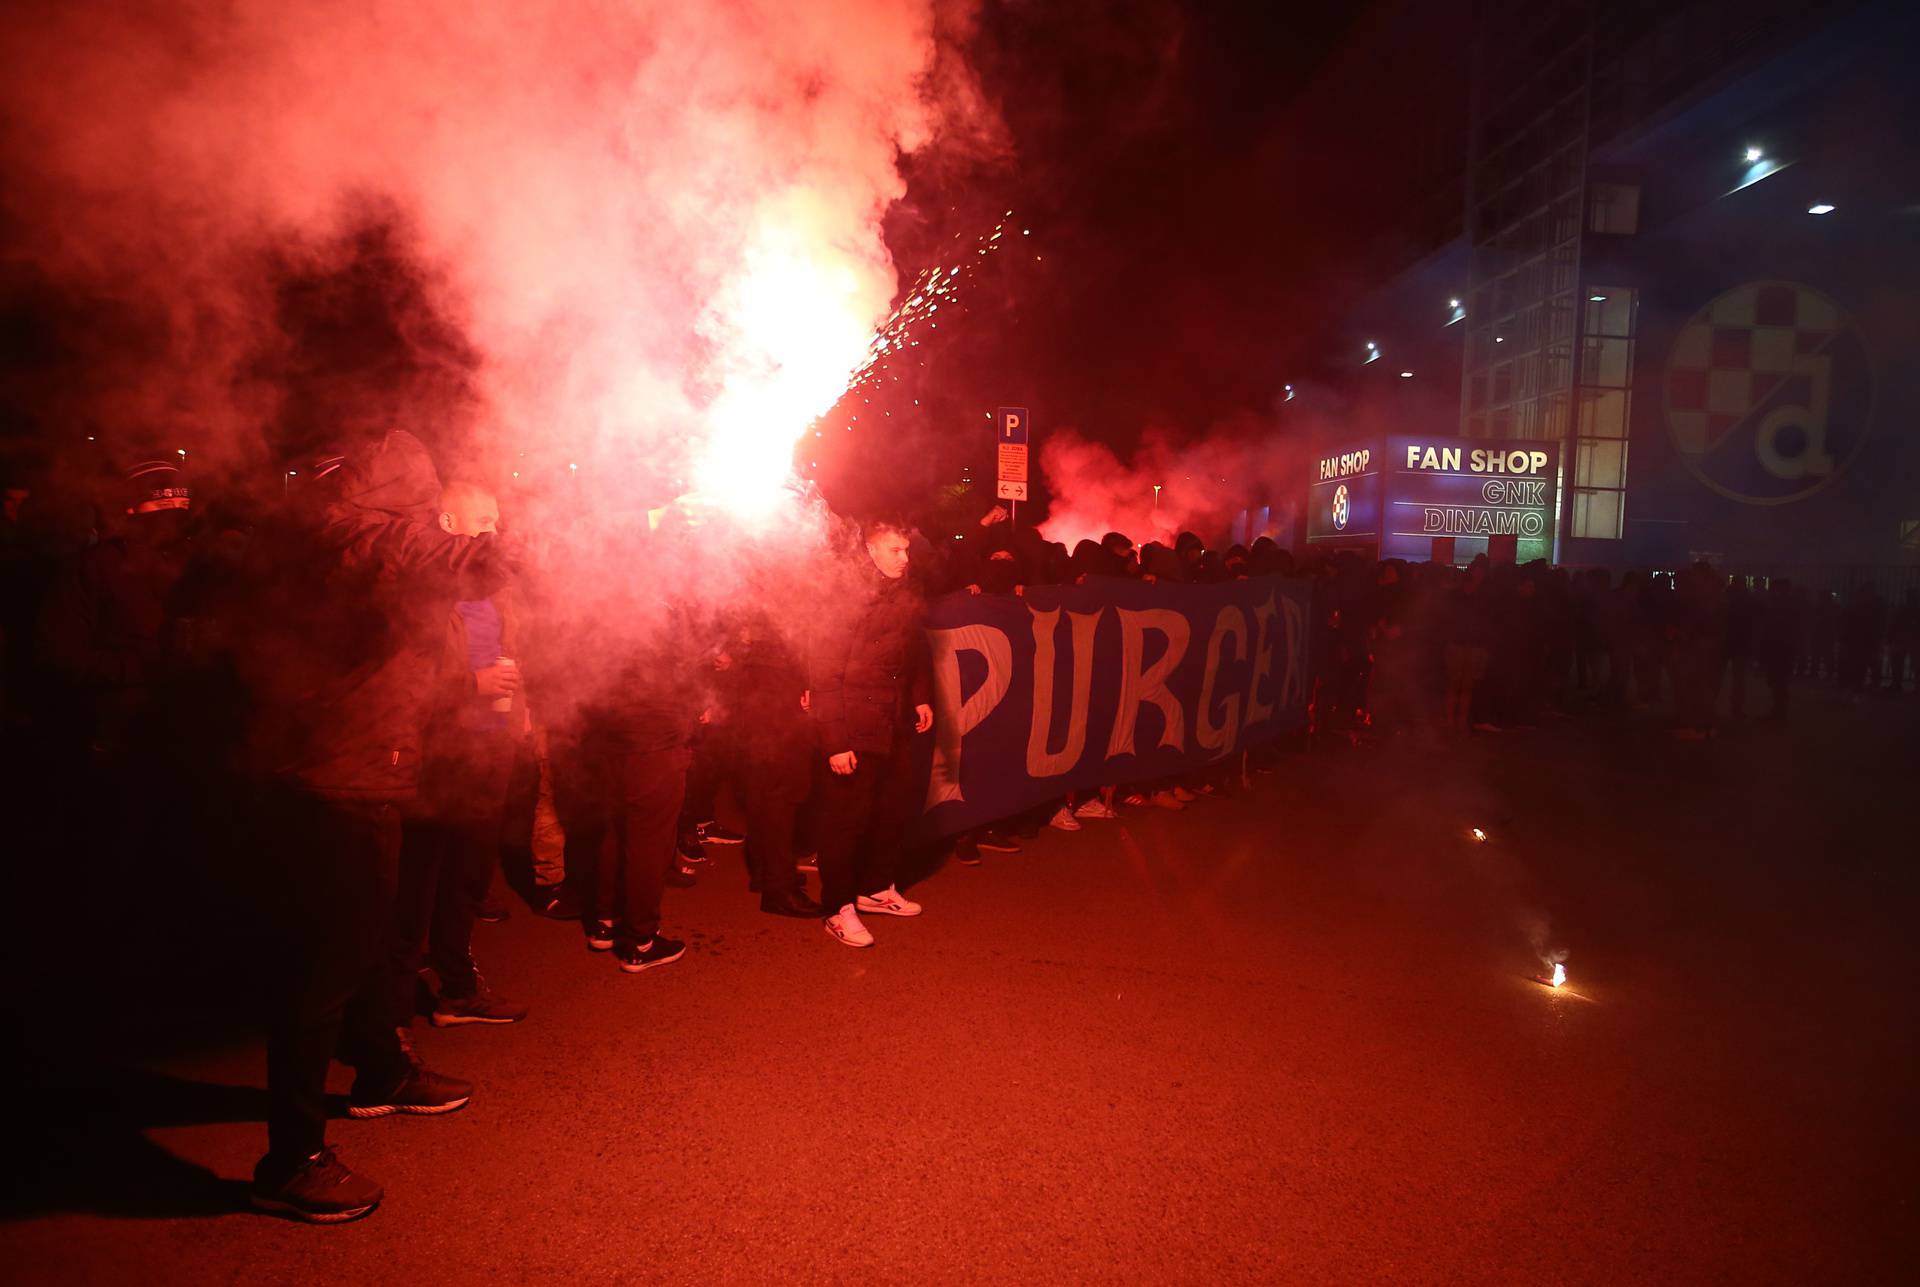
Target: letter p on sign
point(1013, 424)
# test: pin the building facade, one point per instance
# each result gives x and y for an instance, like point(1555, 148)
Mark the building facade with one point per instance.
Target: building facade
point(1689, 263)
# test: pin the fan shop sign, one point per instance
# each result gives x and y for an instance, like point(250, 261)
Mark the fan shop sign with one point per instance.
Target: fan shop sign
point(1076, 687)
point(1402, 495)
point(1451, 489)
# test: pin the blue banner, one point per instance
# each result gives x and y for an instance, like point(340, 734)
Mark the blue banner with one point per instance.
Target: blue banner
point(1081, 686)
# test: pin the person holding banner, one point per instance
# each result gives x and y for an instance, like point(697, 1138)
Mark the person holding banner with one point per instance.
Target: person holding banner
point(870, 695)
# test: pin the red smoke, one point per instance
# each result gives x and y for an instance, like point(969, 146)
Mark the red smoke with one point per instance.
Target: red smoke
point(655, 225)
point(1243, 464)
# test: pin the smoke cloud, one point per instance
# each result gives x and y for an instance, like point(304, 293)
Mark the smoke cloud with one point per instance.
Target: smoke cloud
point(1242, 463)
point(643, 239)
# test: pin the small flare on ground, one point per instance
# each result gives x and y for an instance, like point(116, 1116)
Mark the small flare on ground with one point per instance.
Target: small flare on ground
point(1480, 835)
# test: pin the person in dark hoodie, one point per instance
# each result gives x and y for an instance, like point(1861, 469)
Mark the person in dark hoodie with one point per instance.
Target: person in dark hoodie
point(870, 693)
point(636, 745)
point(346, 619)
point(110, 646)
point(772, 741)
point(451, 838)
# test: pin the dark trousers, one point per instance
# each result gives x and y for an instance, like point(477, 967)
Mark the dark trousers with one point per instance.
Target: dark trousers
point(641, 792)
point(445, 869)
point(863, 820)
point(1779, 668)
point(771, 789)
point(448, 855)
point(1737, 667)
point(337, 865)
point(709, 764)
point(577, 786)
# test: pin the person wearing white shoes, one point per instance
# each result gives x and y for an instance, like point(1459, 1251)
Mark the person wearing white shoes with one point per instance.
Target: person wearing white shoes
point(869, 695)
point(1099, 806)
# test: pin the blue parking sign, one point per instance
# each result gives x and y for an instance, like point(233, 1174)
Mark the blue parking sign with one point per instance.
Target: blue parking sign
point(1013, 424)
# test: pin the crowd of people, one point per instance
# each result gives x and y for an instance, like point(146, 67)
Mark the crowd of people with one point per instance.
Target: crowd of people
point(374, 688)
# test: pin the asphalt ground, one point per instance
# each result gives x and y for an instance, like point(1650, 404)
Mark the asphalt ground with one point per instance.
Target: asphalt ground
point(1290, 1036)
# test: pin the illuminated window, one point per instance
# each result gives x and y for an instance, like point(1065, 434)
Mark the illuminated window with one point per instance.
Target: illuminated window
point(1606, 361)
point(1608, 310)
point(1605, 411)
point(1597, 513)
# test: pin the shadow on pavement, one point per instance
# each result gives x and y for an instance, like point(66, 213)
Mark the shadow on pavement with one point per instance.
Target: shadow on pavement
point(79, 1143)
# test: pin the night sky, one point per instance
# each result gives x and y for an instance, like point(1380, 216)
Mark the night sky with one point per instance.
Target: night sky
point(1190, 209)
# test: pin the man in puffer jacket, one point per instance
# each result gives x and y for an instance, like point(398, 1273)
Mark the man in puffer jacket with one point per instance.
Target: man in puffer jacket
point(870, 693)
point(345, 622)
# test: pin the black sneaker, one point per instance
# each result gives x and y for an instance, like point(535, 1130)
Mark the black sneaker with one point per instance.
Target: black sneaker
point(807, 862)
point(599, 935)
point(484, 1006)
point(320, 1189)
point(557, 902)
point(680, 876)
point(998, 843)
point(714, 834)
point(791, 902)
point(688, 847)
point(966, 852)
point(416, 1089)
point(657, 950)
point(490, 910)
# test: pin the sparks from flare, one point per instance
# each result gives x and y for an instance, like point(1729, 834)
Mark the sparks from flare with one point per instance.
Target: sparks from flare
point(935, 286)
point(795, 314)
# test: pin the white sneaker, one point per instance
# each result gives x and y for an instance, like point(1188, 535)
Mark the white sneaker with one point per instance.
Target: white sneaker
point(1063, 820)
point(845, 925)
point(1095, 808)
point(888, 902)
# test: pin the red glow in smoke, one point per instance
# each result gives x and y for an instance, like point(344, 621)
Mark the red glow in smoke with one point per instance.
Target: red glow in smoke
point(1240, 464)
point(656, 224)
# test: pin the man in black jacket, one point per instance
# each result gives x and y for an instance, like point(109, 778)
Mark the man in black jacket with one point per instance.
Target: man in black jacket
point(869, 695)
point(450, 846)
point(347, 618)
point(775, 764)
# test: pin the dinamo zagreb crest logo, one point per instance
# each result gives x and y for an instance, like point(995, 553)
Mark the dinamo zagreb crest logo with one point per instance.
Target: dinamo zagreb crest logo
point(1342, 508)
point(1769, 392)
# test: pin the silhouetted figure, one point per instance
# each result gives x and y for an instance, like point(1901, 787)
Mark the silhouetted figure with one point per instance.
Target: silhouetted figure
point(1742, 612)
point(113, 652)
point(1863, 630)
point(451, 846)
point(1903, 640)
point(344, 629)
point(1781, 625)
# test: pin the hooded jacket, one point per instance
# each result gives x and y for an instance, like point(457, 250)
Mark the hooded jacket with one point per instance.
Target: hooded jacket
point(868, 664)
point(346, 623)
